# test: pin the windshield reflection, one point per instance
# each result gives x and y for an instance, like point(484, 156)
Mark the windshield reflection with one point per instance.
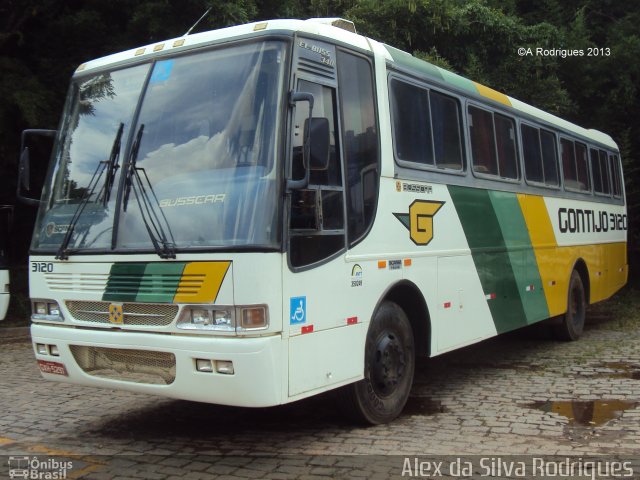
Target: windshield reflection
point(208, 148)
point(98, 111)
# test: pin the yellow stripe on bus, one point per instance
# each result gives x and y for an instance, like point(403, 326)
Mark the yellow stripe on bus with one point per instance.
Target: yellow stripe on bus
point(201, 282)
point(550, 264)
point(492, 94)
point(606, 262)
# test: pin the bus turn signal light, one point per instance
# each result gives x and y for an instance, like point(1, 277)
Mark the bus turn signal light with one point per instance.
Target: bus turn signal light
point(254, 317)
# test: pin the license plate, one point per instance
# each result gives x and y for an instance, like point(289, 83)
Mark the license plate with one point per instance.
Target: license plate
point(55, 368)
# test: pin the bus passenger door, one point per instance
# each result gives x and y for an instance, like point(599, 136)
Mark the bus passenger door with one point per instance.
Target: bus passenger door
point(321, 329)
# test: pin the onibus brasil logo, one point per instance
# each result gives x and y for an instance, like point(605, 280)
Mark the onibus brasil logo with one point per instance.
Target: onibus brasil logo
point(419, 220)
point(36, 468)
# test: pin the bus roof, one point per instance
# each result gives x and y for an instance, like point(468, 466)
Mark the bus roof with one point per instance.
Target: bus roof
point(343, 31)
point(315, 26)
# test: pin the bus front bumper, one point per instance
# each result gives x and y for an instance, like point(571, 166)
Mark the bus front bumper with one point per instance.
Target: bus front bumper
point(164, 364)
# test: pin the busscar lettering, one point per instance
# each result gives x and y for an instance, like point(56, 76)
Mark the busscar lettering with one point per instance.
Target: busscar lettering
point(415, 188)
point(194, 200)
point(576, 220)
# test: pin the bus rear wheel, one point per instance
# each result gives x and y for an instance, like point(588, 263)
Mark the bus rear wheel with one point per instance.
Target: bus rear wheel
point(389, 365)
point(571, 324)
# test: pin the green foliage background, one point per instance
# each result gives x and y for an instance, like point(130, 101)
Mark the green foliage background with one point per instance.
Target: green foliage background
point(43, 41)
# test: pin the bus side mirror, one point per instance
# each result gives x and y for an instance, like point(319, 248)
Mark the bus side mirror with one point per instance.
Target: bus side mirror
point(294, 98)
point(40, 142)
point(319, 142)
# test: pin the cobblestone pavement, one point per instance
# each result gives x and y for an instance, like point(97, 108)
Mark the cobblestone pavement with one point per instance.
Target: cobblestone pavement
point(520, 393)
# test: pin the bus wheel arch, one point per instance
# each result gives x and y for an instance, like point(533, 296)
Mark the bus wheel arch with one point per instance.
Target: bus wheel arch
point(391, 348)
point(408, 297)
point(581, 267)
point(570, 325)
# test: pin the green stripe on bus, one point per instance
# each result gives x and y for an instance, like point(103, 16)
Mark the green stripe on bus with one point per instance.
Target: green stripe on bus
point(160, 282)
point(143, 282)
point(523, 261)
point(458, 81)
point(124, 282)
point(490, 256)
point(409, 61)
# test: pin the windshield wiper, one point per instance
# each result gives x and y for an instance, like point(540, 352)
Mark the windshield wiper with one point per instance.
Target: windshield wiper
point(148, 205)
point(133, 159)
point(112, 166)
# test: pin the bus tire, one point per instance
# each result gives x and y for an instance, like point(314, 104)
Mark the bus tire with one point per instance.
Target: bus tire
point(571, 324)
point(389, 365)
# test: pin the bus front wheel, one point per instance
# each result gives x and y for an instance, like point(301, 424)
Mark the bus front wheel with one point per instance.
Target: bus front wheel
point(571, 324)
point(389, 365)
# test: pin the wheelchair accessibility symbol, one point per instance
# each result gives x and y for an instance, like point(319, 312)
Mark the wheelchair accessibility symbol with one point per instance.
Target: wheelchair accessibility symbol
point(298, 310)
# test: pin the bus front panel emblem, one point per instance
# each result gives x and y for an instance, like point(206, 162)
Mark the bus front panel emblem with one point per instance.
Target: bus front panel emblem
point(115, 313)
point(419, 220)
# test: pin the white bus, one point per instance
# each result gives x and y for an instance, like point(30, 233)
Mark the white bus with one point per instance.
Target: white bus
point(257, 214)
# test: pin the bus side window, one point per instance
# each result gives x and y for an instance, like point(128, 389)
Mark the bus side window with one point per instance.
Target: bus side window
point(617, 178)
point(483, 147)
point(604, 169)
point(506, 146)
point(569, 164)
point(360, 140)
point(316, 220)
point(324, 106)
point(549, 157)
point(575, 166)
point(533, 165)
point(411, 123)
point(600, 168)
point(595, 170)
point(445, 121)
point(582, 167)
point(540, 155)
point(493, 143)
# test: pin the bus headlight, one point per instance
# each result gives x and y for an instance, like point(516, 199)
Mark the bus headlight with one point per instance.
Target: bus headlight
point(40, 308)
point(53, 309)
point(224, 318)
point(46, 311)
point(200, 316)
point(241, 319)
point(207, 318)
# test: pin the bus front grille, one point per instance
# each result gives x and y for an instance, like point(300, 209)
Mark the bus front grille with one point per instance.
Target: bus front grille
point(137, 366)
point(146, 314)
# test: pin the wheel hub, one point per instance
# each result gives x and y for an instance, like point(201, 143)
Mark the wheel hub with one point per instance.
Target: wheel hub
point(389, 364)
point(575, 306)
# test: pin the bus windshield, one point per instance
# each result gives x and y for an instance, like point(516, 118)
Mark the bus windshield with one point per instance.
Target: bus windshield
point(198, 164)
